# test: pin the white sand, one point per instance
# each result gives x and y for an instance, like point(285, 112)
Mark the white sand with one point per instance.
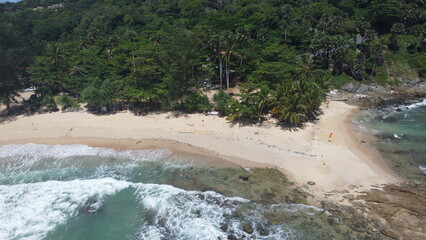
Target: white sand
point(304, 154)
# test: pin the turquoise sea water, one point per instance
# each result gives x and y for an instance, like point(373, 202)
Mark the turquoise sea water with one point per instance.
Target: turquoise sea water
point(79, 192)
point(401, 137)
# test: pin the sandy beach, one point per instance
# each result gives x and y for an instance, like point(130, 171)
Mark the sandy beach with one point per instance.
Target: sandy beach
point(346, 162)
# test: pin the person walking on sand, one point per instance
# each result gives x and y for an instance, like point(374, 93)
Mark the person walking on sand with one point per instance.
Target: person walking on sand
point(330, 136)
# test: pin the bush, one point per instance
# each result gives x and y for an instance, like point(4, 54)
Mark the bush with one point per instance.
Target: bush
point(49, 104)
point(381, 75)
point(222, 101)
point(418, 61)
point(195, 102)
point(340, 80)
point(67, 102)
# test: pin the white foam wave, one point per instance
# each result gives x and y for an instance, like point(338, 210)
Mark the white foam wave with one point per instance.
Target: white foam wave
point(423, 169)
point(20, 158)
point(417, 104)
point(118, 171)
point(30, 211)
point(65, 151)
point(396, 136)
point(179, 214)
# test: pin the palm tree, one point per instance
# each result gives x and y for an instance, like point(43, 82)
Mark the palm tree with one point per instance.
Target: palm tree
point(55, 54)
point(76, 71)
point(305, 64)
point(221, 56)
point(130, 35)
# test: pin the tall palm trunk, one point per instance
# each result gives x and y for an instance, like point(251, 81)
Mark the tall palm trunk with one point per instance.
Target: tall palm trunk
point(227, 70)
point(133, 56)
point(221, 72)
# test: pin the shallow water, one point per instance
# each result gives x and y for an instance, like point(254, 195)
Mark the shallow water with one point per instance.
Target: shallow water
point(401, 134)
point(80, 192)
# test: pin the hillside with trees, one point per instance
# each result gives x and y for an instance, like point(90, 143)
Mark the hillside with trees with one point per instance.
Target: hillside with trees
point(160, 54)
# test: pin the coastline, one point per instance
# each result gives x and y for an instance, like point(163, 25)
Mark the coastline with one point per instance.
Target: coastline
point(304, 155)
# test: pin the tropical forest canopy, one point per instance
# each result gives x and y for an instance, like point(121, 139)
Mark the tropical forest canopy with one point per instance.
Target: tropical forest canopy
point(159, 54)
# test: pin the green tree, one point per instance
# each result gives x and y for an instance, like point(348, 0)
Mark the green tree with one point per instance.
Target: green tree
point(222, 101)
point(101, 94)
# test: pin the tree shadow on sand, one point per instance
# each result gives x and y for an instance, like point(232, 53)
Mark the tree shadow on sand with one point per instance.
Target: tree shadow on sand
point(285, 126)
point(12, 114)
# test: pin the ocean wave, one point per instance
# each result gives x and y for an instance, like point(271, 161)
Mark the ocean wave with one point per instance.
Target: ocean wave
point(423, 169)
point(30, 211)
point(15, 159)
point(184, 214)
point(33, 210)
point(179, 214)
point(416, 105)
point(39, 151)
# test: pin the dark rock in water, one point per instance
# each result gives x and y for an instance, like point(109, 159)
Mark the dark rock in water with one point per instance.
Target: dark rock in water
point(92, 206)
point(398, 110)
point(198, 213)
point(90, 209)
point(385, 136)
point(311, 183)
point(224, 227)
point(201, 196)
point(232, 237)
point(389, 119)
point(248, 228)
point(244, 178)
point(263, 231)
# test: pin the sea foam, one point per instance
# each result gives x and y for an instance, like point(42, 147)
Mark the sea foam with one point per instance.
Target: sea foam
point(416, 105)
point(39, 151)
point(179, 214)
point(183, 214)
point(30, 211)
point(20, 159)
point(423, 169)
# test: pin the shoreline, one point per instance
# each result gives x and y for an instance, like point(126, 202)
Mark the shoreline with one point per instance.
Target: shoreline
point(304, 155)
point(207, 157)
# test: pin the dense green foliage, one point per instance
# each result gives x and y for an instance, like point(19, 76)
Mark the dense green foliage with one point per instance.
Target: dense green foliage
point(149, 55)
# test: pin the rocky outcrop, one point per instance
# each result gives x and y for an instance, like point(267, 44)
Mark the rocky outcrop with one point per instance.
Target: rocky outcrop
point(367, 96)
point(402, 210)
point(395, 212)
